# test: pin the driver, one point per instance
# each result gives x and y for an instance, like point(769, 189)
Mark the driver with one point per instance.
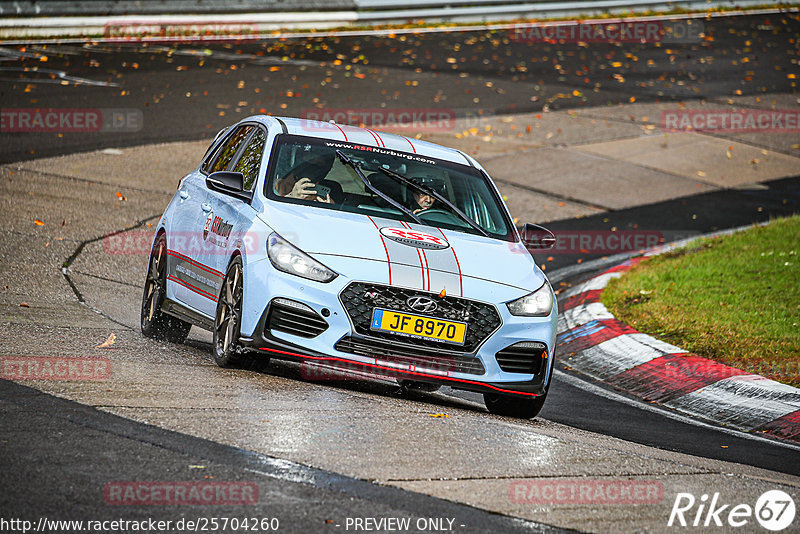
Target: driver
point(304, 179)
point(423, 201)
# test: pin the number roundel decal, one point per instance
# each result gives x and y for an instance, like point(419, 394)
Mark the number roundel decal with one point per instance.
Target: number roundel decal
point(413, 238)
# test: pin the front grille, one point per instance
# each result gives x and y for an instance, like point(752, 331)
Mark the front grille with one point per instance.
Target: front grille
point(295, 321)
point(392, 351)
point(359, 299)
point(524, 357)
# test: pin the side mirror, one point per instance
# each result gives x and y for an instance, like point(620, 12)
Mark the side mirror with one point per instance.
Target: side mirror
point(536, 237)
point(229, 183)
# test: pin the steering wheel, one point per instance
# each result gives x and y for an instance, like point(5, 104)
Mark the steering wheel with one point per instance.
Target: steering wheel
point(439, 211)
point(448, 217)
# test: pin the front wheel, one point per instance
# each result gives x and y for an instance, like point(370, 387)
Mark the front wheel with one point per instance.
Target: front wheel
point(228, 321)
point(228, 318)
point(520, 407)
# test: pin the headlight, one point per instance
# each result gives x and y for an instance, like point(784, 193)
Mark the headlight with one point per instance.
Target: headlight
point(292, 260)
point(536, 304)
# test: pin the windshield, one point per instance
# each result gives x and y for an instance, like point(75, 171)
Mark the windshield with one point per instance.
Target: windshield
point(306, 170)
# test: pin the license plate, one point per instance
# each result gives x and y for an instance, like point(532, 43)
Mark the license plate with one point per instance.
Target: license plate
point(418, 326)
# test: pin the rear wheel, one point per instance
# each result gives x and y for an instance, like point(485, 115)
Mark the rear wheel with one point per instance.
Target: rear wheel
point(520, 407)
point(154, 322)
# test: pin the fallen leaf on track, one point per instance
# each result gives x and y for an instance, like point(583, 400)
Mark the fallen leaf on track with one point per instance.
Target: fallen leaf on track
point(108, 342)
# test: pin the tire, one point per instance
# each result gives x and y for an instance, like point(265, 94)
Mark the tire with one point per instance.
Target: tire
point(413, 385)
point(227, 321)
point(519, 407)
point(228, 317)
point(154, 322)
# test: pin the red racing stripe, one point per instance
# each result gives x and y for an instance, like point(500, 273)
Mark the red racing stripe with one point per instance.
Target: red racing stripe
point(388, 259)
point(379, 138)
point(410, 143)
point(460, 278)
point(196, 264)
point(344, 134)
point(377, 142)
point(421, 264)
point(421, 268)
point(427, 267)
point(671, 376)
point(206, 294)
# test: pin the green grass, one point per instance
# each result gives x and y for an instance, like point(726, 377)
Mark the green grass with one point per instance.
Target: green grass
point(733, 299)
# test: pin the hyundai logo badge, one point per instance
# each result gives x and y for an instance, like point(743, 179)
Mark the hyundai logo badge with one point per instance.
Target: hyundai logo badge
point(422, 304)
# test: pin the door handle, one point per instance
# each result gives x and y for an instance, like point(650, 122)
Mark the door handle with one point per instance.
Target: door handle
point(184, 194)
point(205, 206)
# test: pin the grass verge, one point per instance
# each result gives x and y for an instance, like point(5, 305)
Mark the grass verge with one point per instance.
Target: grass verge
point(733, 299)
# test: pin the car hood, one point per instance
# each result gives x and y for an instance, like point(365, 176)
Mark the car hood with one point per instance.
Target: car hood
point(326, 235)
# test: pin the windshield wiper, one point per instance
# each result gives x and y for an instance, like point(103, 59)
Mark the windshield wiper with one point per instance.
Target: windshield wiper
point(347, 161)
point(436, 195)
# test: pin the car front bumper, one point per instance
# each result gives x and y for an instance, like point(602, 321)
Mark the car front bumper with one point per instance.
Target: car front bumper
point(339, 344)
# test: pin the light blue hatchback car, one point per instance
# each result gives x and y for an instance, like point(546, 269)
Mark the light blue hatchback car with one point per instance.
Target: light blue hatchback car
point(346, 247)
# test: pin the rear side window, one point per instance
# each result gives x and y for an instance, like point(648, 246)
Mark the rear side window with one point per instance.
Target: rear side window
point(250, 160)
point(222, 157)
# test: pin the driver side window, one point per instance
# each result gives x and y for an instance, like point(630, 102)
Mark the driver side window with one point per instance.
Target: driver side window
point(222, 157)
point(250, 161)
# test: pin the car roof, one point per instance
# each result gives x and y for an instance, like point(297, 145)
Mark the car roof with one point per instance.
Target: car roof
point(364, 136)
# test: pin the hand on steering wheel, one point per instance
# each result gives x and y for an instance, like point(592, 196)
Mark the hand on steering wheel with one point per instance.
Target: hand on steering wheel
point(302, 188)
point(306, 189)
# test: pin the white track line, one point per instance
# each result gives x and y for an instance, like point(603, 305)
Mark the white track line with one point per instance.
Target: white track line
point(743, 401)
point(618, 355)
point(582, 314)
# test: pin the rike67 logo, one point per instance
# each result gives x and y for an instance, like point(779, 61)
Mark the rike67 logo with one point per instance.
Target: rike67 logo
point(774, 510)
